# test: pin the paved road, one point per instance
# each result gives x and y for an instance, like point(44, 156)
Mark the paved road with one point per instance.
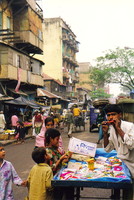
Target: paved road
point(20, 156)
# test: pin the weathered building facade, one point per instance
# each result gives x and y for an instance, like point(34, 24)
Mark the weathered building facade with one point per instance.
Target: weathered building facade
point(20, 37)
point(54, 92)
point(84, 86)
point(60, 48)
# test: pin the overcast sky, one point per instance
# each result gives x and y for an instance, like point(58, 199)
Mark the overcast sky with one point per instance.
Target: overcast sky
point(98, 24)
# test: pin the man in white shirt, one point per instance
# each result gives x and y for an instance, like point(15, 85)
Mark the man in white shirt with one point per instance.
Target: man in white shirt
point(2, 120)
point(119, 135)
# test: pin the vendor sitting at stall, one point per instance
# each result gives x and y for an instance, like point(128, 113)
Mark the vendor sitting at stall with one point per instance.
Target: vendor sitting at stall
point(14, 120)
point(119, 135)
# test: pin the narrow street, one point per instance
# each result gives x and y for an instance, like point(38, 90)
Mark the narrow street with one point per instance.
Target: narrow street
point(20, 156)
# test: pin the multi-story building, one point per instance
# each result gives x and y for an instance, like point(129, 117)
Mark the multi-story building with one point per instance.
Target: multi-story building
point(20, 37)
point(60, 48)
point(84, 86)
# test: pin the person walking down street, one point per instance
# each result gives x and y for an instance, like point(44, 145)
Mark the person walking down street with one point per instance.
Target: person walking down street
point(20, 130)
point(40, 176)
point(8, 175)
point(76, 111)
point(2, 121)
point(14, 120)
point(37, 122)
point(119, 135)
point(77, 116)
point(69, 119)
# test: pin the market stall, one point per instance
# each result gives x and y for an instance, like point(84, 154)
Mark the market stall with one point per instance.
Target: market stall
point(9, 134)
point(108, 172)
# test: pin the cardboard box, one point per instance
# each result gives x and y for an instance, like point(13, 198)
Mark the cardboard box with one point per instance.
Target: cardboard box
point(82, 147)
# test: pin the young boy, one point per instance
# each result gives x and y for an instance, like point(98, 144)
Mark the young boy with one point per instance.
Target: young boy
point(40, 176)
point(7, 176)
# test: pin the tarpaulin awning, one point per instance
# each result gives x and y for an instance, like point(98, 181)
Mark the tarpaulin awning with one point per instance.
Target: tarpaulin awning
point(42, 93)
point(5, 97)
point(19, 92)
point(21, 101)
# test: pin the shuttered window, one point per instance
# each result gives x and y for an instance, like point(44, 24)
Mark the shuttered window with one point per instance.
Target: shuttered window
point(0, 20)
point(8, 22)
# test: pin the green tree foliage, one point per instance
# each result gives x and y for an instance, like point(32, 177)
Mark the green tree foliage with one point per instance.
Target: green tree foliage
point(99, 94)
point(116, 66)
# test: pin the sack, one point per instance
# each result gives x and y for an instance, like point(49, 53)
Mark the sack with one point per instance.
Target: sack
point(17, 136)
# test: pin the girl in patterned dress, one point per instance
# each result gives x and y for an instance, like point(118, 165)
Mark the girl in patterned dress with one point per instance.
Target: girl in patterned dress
point(52, 143)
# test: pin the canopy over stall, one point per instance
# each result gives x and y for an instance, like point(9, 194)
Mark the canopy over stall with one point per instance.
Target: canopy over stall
point(21, 101)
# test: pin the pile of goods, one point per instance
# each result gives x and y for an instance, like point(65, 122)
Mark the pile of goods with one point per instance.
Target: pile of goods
point(94, 168)
point(100, 102)
point(7, 134)
point(27, 124)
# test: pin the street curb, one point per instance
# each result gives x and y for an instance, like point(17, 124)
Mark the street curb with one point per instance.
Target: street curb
point(8, 142)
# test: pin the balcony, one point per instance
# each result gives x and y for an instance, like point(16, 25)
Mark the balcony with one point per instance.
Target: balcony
point(65, 73)
point(19, 5)
point(34, 79)
point(75, 79)
point(28, 42)
point(65, 37)
point(9, 72)
point(27, 26)
point(70, 59)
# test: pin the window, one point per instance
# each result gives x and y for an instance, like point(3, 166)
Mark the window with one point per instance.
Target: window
point(40, 35)
point(8, 22)
point(0, 20)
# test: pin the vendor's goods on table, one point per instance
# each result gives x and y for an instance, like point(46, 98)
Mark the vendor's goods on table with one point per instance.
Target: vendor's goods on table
point(27, 124)
point(104, 167)
point(94, 168)
point(90, 163)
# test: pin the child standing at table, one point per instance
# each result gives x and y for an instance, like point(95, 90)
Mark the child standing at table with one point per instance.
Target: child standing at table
point(8, 175)
point(52, 143)
point(40, 138)
point(40, 176)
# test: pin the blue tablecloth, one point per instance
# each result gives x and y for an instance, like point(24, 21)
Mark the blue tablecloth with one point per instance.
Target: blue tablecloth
point(102, 152)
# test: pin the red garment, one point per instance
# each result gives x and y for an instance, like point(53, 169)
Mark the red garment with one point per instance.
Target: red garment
point(38, 118)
